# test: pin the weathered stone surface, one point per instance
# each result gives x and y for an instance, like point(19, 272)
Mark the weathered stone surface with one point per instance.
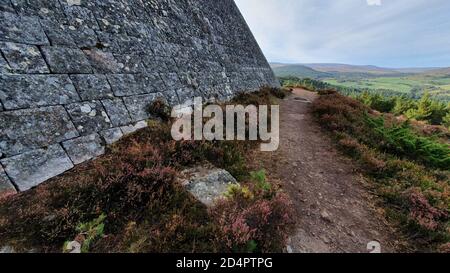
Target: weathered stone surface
point(207, 184)
point(5, 5)
point(6, 188)
point(138, 106)
point(106, 61)
point(92, 86)
point(24, 58)
point(111, 135)
point(43, 9)
point(89, 117)
point(171, 81)
point(125, 85)
point(32, 168)
point(80, 16)
point(103, 62)
point(155, 64)
point(84, 148)
point(134, 84)
point(28, 129)
point(117, 112)
point(171, 96)
point(24, 91)
point(130, 63)
point(21, 29)
point(69, 35)
point(66, 60)
point(129, 129)
point(58, 34)
point(83, 37)
point(4, 66)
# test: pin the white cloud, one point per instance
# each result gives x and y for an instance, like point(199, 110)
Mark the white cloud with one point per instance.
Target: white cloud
point(402, 33)
point(374, 2)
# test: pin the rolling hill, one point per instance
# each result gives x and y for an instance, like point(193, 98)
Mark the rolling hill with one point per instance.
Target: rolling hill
point(412, 81)
point(298, 70)
point(346, 68)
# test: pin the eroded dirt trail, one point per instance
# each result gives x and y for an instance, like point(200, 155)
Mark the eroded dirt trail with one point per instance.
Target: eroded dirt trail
point(334, 209)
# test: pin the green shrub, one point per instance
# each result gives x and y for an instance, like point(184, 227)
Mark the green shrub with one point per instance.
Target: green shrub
point(400, 140)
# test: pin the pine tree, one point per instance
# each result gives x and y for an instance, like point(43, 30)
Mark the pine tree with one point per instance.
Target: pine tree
point(423, 110)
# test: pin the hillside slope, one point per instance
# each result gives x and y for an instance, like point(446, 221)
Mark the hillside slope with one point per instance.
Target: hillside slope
point(297, 70)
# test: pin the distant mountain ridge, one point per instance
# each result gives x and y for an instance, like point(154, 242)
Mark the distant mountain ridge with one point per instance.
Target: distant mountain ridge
point(323, 70)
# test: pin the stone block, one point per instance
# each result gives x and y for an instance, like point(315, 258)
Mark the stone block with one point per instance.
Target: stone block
point(30, 169)
point(129, 129)
point(83, 37)
point(6, 187)
point(111, 135)
point(125, 85)
point(130, 63)
point(207, 184)
point(66, 60)
point(117, 112)
point(84, 148)
point(103, 62)
point(171, 81)
point(89, 117)
point(42, 9)
point(24, 58)
point(23, 91)
point(21, 29)
point(28, 129)
point(92, 86)
point(138, 106)
point(58, 34)
point(80, 17)
point(4, 66)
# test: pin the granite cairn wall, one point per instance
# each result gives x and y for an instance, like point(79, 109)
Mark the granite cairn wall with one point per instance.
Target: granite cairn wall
point(76, 75)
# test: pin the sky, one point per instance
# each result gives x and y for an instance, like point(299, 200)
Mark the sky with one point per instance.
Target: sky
point(387, 33)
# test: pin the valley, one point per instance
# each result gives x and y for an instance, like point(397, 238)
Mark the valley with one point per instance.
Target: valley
point(412, 82)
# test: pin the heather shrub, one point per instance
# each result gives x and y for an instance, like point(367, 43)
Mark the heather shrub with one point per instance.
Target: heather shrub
point(255, 217)
point(249, 221)
point(327, 92)
point(422, 212)
point(410, 170)
point(265, 96)
point(160, 109)
point(133, 191)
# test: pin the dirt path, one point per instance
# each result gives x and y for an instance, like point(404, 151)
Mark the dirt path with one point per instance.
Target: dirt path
point(335, 211)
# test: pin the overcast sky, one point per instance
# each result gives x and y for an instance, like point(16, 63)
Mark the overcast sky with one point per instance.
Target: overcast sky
point(390, 33)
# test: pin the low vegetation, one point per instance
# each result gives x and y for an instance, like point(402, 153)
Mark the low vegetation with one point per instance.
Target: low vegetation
point(425, 108)
point(410, 171)
point(130, 201)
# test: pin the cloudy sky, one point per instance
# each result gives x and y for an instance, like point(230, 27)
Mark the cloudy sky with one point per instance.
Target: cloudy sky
point(390, 33)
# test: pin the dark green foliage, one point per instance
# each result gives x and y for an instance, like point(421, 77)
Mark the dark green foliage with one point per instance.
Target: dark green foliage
point(402, 141)
point(377, 102)
point(306, 83)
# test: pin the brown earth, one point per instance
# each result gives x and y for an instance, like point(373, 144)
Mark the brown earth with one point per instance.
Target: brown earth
point(335, 208)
